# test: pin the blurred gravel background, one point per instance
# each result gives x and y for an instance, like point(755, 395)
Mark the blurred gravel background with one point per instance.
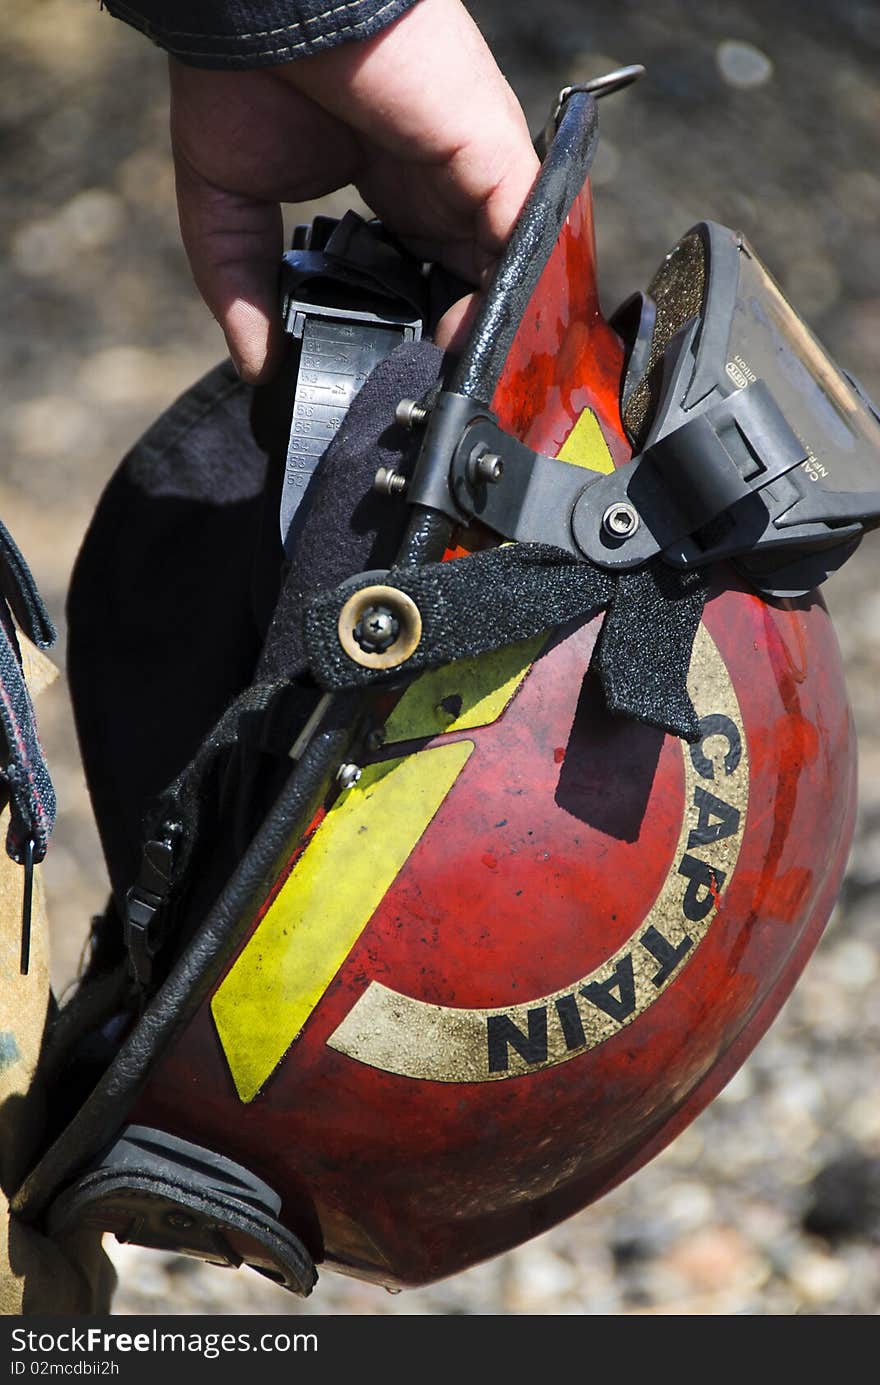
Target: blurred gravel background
point(764, 117)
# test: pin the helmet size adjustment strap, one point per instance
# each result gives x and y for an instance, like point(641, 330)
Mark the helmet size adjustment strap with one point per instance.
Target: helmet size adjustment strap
point(349, 297)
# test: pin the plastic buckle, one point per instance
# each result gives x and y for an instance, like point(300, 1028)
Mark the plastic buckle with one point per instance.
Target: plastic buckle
point(298, 310)
point(143, 905)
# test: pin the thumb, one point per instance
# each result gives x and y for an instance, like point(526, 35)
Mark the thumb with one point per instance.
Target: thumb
point(234, 246)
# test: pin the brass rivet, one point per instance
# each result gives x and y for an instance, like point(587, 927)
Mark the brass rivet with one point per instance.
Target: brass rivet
point(406, 614)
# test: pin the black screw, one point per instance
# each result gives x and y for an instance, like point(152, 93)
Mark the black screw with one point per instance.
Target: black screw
point(620, 520)
point(484, 467)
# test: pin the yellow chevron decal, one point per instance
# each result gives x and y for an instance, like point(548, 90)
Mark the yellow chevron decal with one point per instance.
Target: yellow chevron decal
point(325, 904)
point(460, 696)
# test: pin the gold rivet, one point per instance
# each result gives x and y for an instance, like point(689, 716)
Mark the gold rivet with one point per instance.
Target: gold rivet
point(402, 608)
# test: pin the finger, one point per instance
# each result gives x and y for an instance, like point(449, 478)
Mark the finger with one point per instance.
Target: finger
point(427, 93)
point(243, 142)
point(234, 245)
point(454, 327)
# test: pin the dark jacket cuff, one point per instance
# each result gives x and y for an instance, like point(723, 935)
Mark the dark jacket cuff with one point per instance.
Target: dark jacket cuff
point(254, 33)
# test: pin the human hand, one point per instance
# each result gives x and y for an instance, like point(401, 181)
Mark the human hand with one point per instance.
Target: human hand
point(419, 118)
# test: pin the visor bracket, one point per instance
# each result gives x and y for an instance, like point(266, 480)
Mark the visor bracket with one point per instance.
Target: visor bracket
point(728, 482)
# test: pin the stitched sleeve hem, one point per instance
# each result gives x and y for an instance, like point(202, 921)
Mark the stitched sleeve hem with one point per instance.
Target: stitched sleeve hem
point(338, 23)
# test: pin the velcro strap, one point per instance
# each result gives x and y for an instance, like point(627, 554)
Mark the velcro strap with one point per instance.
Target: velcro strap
point(493, 598)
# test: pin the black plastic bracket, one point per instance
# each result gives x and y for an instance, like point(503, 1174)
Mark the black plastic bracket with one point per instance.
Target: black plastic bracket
point(729, 481)
point(525, 495)
point(725, 461)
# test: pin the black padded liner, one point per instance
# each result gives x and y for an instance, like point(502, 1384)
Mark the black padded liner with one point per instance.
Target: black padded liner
point(179, 573)
point(162, 632)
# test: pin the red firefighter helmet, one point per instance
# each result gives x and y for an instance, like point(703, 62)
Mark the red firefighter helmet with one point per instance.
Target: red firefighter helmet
point(495, 945)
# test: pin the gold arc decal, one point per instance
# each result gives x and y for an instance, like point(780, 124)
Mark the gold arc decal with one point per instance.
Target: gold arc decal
point(412, 1038)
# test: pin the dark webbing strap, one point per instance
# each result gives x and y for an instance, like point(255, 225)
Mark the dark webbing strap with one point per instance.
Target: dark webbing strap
point(494, 598)
point(31, 795)
point(267, 717)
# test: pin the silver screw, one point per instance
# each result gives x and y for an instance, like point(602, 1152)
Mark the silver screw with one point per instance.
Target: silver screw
point(621, 520)
point(347, 775)
point(377, 629)
point(389, 481)
point(410, 413)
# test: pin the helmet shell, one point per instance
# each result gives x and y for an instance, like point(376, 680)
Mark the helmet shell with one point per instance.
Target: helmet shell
point(513, 961)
